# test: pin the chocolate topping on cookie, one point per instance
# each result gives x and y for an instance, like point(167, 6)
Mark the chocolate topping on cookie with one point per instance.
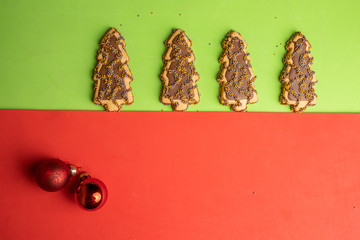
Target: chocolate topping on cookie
point(297, 78)
point(236, 76)
point(112, 75)
point(179, 76)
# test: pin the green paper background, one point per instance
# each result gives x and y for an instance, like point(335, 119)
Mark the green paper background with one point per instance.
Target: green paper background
point(48, 49)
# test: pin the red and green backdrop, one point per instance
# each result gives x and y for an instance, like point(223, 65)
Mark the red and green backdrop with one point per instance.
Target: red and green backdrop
point(211, 174)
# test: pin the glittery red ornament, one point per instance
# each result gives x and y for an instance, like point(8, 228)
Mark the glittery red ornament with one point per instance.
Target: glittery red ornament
point(52, 175)
point(91, 194)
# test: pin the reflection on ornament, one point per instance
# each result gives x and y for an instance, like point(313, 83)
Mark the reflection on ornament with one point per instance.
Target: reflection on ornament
point(91, 194)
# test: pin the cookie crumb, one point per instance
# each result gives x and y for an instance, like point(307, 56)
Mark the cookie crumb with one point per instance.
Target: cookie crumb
point(152, 13)
point(180, 14)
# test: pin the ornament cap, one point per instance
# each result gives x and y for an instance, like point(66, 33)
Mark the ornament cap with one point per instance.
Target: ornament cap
point(73, 170)
point(83, 176)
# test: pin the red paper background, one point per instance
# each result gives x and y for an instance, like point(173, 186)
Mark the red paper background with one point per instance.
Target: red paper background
point(184, 176)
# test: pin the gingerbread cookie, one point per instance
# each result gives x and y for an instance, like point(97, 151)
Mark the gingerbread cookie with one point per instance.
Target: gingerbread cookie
point(236, 76)
point(179, 76)
point(112, 75)
point(298, 78)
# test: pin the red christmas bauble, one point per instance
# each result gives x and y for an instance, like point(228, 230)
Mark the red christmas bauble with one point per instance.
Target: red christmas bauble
point(52, 175)
point(91, 194)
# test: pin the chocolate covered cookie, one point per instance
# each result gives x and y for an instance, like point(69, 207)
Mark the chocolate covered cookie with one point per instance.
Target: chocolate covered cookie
point(112, 75)
point(236, 76)
point(297, 77)
point(179, 76)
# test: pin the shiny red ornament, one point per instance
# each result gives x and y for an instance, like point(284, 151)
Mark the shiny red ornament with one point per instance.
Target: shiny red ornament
point(52, 175)
point(91, 194)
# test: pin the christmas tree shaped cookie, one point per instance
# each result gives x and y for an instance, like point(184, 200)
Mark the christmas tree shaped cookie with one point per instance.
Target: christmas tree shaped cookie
point(179, 76)
point(112, 75)
point(297, 77)
point(236, 76)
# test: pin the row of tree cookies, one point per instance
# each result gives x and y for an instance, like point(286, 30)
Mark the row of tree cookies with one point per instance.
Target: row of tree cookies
point(112, 75)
